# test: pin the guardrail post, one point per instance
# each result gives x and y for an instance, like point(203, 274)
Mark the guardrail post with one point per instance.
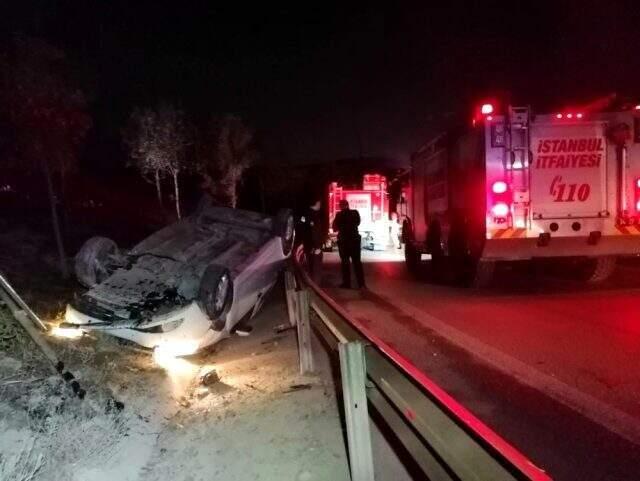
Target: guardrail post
point(290, 291)
point(304, 331)
point(353, 373)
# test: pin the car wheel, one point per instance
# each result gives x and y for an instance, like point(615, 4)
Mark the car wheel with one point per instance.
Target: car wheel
point(216, 294)
point(92, 263)
point(284, 228)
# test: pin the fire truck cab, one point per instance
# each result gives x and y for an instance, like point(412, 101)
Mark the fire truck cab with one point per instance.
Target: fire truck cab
point(518, 185)
point(372, 203)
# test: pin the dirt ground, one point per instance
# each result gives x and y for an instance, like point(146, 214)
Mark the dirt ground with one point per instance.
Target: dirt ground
point(262, 420)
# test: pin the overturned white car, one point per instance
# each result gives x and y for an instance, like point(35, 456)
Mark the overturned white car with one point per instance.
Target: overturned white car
point(186, 286)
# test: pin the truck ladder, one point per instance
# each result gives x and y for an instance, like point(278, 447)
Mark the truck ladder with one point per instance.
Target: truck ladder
point(516, 162)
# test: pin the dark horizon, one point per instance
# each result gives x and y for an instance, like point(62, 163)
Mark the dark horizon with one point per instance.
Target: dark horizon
point(330, 83)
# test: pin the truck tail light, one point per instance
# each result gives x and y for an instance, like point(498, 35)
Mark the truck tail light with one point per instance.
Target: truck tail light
point(500, 210)
point(500, 201)
point(486, 109)
point(500, 187)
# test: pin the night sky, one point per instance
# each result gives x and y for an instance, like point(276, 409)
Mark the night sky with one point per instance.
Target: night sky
point(325, 82)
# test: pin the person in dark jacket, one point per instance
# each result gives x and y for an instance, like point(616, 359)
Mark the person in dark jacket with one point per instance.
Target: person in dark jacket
point(313, 238)
point(346, 225)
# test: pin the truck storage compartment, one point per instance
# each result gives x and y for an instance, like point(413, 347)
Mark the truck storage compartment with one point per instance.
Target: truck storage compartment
point(568, 170)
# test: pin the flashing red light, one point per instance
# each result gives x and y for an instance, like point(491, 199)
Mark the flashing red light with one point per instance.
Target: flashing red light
point(569, 116)
point(500, 209)
point(489, 118)
point(558, 116)
point(579, 116)
point(637, 107)
point(638, 206)
point(500, 187)
point(486, 109)
point(638, 183)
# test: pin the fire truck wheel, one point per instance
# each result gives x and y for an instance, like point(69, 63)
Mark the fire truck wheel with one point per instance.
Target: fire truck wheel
point(483, 275)
point(92, 263)
point(600, 269)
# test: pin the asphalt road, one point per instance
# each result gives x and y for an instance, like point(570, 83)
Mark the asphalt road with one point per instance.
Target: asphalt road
point(549, 363)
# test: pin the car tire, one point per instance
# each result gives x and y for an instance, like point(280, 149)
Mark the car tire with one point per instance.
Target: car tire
point(92, 261)
point(216, 294)
point(284, 228)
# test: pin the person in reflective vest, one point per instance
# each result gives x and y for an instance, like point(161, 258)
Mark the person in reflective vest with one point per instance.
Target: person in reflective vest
point(346, 225)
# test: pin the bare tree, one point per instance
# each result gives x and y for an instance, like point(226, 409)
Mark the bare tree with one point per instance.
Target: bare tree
point(235, 153)
point(48, 114)
point(141, 139)
point(158, 141)
point(177, 137)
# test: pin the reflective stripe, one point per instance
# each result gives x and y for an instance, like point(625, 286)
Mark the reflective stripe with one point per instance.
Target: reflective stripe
point(509, 233)
point(633, 230)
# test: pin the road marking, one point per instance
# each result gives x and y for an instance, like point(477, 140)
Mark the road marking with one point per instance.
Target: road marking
point(595, 410)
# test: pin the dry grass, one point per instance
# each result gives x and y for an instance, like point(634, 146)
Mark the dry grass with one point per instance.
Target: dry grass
point(47, 432)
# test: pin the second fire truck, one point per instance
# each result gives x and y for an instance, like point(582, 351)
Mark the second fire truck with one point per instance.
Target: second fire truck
point(372, 203)
point(518, 185)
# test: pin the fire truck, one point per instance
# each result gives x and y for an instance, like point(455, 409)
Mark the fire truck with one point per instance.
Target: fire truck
point(516, 185)
point(372, 203)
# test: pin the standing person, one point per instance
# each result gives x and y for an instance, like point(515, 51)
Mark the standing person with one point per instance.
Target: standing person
point(346, 225)
point(314, 234)
point(394, 230)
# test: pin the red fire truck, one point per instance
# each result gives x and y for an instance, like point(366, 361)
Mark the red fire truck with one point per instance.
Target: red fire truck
point(372, 202)
point(517, 185)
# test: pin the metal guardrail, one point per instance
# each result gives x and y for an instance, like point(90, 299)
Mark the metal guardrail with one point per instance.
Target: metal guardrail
point(35, 328)
point(444, 439)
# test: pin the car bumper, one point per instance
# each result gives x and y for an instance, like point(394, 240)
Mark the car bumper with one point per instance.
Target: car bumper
point(192, 333)
point(522, 249)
